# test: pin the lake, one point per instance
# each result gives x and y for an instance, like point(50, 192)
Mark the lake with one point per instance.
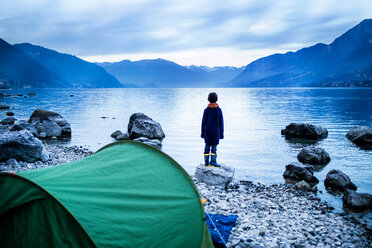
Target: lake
point(253, 118)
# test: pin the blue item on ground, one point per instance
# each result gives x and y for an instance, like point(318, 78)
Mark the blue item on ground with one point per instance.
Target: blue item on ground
point(224, 224)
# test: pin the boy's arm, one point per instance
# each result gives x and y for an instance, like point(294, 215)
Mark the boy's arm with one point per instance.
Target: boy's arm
point(204, 122)
point(221, 126)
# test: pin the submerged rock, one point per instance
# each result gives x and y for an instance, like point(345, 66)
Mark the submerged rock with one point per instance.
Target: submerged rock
point(20, 145)
point(313, 155)
point(43, 119)
point(298, 172)
point(140, 125)
point(304, 131)
point(336, 180)
point(4, 106)
point(361, 136)
point(213, 176)
point(357, 201)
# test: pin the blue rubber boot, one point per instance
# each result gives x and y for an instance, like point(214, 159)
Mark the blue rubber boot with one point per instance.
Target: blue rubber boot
point(214, 160)
point(206, 159)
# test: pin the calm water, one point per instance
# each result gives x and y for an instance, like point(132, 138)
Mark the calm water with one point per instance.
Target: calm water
point(253, 120)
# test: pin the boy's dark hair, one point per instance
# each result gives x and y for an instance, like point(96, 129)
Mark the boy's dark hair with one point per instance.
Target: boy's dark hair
point(212, 97)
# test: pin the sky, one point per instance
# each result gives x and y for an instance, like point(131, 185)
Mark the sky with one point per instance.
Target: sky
point(199, 32)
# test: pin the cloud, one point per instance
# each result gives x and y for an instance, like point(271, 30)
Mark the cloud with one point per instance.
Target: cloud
point(92, 28)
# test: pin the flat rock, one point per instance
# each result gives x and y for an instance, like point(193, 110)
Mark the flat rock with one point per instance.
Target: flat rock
point(218, 177)
point(39, 115)
point(304, 131)
point(10, 113)
point(357, 201)
point(313, 155)
point(298, 172)
point(339, 181)
point(140, 125)
point(153, 142)
point(20, 145)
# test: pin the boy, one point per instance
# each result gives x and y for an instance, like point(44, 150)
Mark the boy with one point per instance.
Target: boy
point(212, 129)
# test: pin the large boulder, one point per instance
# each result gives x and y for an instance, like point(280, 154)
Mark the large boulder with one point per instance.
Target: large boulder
point(140, 125)
point(47, 128)
point(313, 155)
point(298, 172)
point(336, 180)
point(218, 177)
point(304, 131)
point(20, 145)
point(361, 136)
point(42, 120)
point(357, 201)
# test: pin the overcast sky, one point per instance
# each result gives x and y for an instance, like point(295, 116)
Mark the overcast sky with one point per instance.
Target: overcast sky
point(188, 32)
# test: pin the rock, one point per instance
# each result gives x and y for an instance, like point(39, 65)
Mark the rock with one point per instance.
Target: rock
point(31, 94)
point(39, 115)
point(48, 127)
point(313, 155)
point(337, 180)
point(357, 201)
point(361, 136)
point(304, 131)
point(302, 185)
point(154, 142)
point(20, 145)
point(24, 125)
point(116, 134)
point(218, 177)
point(10, 113)
point(123, 136)
point(299, 172)
point(4, 106)
point(12, 163)
point(8, 121)
point(140, 125)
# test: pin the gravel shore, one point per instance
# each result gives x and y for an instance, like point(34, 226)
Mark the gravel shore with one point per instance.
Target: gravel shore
point(275, 215)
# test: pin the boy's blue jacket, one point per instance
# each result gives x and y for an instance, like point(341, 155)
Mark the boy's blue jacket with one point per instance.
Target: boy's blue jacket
point(212, 125)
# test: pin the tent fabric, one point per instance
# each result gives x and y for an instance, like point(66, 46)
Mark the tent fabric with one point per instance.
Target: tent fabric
point(126, 195)
point(224, 224)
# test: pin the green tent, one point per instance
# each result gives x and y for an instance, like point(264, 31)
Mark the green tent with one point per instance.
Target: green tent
point(126, 195)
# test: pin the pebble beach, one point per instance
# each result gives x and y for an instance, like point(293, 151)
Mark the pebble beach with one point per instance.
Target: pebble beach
point(274, 215)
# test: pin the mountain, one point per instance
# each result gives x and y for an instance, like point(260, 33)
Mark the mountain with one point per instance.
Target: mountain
point(346, 62)
point(19, 70)
point(167, 74)
point(77, 72)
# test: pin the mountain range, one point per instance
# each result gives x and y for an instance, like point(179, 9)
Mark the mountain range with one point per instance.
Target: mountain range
point(346, 62)
point(167, 74)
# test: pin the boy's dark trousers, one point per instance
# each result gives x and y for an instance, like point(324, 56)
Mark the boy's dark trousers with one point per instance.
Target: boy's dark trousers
point(210, 150)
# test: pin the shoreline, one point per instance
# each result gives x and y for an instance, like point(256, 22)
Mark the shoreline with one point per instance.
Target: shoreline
point(275, 215)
